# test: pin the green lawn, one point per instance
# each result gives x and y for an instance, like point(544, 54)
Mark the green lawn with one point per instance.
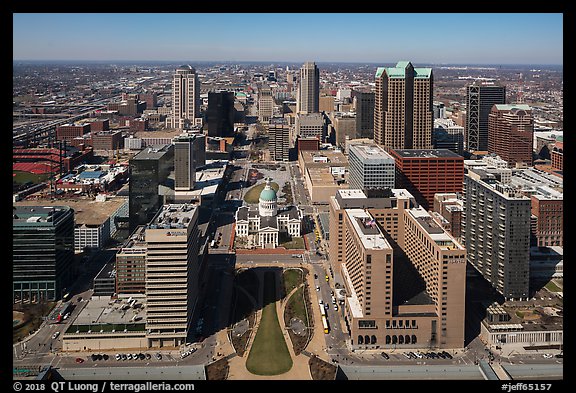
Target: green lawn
point(296, 305)
point(269, 354)
point(296, 243)
point(292, 278)
point(253, 195)
point(553, 287)
point(23, 177)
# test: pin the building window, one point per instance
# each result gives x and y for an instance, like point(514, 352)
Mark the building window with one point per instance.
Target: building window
point(400, 339)
point(360, 339)
point(388, 339)
point(413, 339)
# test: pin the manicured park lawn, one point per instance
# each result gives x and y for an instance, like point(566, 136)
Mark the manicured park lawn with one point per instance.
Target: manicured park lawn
point(253, 195)
point(269, 354)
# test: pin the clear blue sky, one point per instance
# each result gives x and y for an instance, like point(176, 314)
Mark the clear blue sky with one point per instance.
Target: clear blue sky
point(332, 37)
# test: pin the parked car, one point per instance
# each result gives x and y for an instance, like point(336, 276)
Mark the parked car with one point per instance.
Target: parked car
point(55, 335)
point(118, 356)
point(159, 356)
point(385, 355)
point(79, 360)
point(547, 356)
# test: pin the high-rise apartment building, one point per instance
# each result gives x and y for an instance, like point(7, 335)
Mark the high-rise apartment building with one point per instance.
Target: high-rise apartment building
point(364, 105)
point(496, 231)
point(220, 113)
point(511, 133)
point(279, 139)
point(148, 169)
point(427, 172)
point(265, 104)
point(403, 113)
point(42, 252)
point(370, 167)
point(172, 269)
point(404, 275)
point(309, 89)
point(185, 98)
point(480, 97)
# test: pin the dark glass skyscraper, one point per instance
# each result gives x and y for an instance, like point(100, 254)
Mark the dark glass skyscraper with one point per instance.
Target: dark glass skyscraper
point(220, 113)
point(148, 169)
point(42, 252)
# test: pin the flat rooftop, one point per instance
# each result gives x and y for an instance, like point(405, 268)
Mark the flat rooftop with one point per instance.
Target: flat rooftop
point(427, 153)
point(370, 152)
point(103, 310)
point(152, 152)
point(367, 230)
point(86, 211)
point(331, 157)
point(174, 216)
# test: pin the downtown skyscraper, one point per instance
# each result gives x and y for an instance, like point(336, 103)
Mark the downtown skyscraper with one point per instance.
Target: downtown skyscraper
point(309, 89)
point(480, 96)
point(185, 98)
point(403, 110)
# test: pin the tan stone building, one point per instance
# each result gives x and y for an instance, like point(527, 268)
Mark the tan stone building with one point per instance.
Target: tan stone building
point(401, 121)
point(404, 275)
point(324, 172)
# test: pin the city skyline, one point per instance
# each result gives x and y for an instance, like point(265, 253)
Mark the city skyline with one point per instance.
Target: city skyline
point(426, 38)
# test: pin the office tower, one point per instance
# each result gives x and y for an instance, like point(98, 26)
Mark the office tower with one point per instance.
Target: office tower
point(448, 135)
point(364, 105)
point(344, 128)
point(184, 169)
point(220, 113)
point(480, 96)
point(308, 144)
point(67, 132)
point(185, 97)
point(557, 154)
point(427, 172)
point(279, 139)
point(151, 99)
point(370, 166)
point(326, 104)
point(172, 268)
point(548, 212)
point(148, 169)
point(131, 264)
point(496, 231)
point(42, 252)
point(265, 104)
point(403, 113)
point(311, 125)
point(404, 275)
point(309, 89)
point(439, 110)
point(511, 133)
